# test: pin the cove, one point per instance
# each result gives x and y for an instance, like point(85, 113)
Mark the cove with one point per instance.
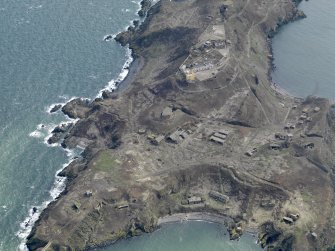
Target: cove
point(187, 236)
point(304, 52)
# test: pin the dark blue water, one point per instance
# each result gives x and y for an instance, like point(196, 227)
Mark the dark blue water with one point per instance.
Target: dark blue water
point(304, 52)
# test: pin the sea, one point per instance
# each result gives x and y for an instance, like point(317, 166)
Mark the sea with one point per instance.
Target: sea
point(304, 52)
point(53, 51)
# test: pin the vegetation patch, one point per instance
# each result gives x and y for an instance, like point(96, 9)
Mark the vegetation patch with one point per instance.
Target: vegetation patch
point(105, 161)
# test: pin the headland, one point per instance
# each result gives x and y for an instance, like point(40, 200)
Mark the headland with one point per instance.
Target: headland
point(198, 129)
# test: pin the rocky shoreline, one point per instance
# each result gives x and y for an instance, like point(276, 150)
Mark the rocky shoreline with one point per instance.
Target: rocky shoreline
point(154, 153)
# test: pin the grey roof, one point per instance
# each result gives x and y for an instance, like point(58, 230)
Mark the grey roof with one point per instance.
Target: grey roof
point(219, 135)
point(224, 131)
point(216, 139)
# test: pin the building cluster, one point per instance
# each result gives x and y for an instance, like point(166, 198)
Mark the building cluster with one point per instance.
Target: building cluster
point(219, 136)
point(305, 117)
point(205, 57)
point(178, 136)
point(218, 196)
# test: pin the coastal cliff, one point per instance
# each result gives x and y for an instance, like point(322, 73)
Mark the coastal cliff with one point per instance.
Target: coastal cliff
point(199, 128)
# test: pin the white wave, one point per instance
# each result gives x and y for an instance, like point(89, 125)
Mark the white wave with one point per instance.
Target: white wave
point(41, 130)
point(36, 134)
point(64, 97)
point(51, 127)
point(125, 10)
point(57, 188)
point(35, 211)
point(60, 182)
point(112, 85)
point(50, 107)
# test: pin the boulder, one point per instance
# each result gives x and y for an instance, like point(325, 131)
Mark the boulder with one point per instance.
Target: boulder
point(55, 108)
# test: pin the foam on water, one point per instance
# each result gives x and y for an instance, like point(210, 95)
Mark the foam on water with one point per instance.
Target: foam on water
point(44, 131)
point(35, 211)
point(67, 100)
point(112, 84)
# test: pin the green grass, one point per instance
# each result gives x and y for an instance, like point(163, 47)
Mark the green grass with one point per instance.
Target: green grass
point(105, 161)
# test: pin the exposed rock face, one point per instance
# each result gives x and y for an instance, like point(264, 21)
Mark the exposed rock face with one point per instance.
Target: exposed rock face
point(55, 108)
point(59, 132)
point(210, 65)
point(76, 108)
point(145, 6)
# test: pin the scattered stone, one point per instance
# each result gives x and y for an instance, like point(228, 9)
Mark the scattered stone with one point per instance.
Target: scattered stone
point(288, 220)
point(309, 145)
point(267, 204)
point(275, 147)
point(280, 136)
point(303, 117)
point(317, 109)
point(295, 217)
point(305, 110)
point(251, 152)
point(142, 131)
point(76, 205)
point(167, 112)
point(314, 235)
point(289, 126)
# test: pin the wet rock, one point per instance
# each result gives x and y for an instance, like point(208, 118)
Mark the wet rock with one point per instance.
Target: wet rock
point(109, 95)
point(34, 243)
point(269, 234)
point(55, 138)
point(55, 108)
point(108, 37)
point(63, 128)
point(59, 132)
point(76, 108)
point(145, 6)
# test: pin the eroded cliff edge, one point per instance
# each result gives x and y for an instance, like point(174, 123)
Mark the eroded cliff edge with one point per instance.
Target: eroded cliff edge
point(199, 129)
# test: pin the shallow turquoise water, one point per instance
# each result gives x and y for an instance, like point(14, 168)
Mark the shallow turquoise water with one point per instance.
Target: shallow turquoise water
point(190, 236)
point(304, 52)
